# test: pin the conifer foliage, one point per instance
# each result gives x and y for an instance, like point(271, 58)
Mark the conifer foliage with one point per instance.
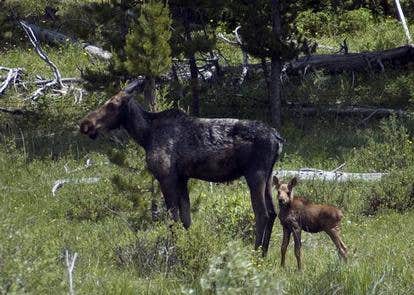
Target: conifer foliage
point(147, 48)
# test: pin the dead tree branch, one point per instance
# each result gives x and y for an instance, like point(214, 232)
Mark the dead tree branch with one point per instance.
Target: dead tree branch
point(70, 264)
point(58, 184)
point(57, 84)
point(57, 81)
point(403, 22)
point(13, 75)
point(59, 38)
point(238, 43)
point(40, 52)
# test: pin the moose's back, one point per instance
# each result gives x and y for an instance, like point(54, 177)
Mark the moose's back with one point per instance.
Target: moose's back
point(216, 150)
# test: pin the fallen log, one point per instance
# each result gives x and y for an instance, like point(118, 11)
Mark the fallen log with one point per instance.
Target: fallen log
point(345, 111)
point(13, 111)
point(337, 176)
point(353, 62)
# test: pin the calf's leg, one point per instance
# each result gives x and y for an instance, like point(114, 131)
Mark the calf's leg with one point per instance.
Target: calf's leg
point(333, 233)
point(285, 243)
point(298, 244)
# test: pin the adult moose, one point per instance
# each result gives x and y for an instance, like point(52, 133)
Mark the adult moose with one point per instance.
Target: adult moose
point(179, 147)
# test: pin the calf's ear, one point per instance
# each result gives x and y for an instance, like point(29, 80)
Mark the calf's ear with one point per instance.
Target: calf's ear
point(293, 182)
point(276, 181)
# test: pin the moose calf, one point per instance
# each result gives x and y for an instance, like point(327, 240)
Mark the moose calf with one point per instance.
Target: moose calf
point(297, 213)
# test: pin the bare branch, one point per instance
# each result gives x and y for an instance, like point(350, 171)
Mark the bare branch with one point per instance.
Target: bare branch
point(58, 184)
point(70, 264)
point(40, 52)
point(403, 22)
point(13, 75)
point(59, 38)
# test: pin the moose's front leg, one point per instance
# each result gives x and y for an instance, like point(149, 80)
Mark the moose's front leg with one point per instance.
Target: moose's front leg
point(184, 203)
point(169, 189)
point(176, 199)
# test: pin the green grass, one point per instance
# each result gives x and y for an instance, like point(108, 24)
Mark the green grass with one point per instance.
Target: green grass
point(122, 251)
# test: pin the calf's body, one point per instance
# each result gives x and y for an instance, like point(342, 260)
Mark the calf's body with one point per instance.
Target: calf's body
point(297, 214)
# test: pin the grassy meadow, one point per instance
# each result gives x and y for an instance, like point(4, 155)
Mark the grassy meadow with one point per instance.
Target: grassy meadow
point(123, 249)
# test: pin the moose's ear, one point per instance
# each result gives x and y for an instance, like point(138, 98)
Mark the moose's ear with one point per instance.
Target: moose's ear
point(293, 182)
point(276, 182)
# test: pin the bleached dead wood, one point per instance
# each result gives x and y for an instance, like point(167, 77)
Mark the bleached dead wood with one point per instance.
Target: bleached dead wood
point(238, 42)
point(403, 22)
point(58, 184)
point(64, 81)
point(337, 176)
point(13, 77)
point(70, 265)
point(59, 38)
point(57, 84)
point(57, 81)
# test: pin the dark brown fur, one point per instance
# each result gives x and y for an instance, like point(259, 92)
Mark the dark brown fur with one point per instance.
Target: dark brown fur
point(179, 147)
point(297, 214)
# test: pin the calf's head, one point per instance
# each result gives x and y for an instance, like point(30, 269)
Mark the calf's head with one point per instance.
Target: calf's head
point(284, 190)
point(107, 117)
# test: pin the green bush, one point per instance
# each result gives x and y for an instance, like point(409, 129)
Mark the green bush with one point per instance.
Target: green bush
point(234, 272)
point(355, 20)
point(393, 192)
point(391, 149)
point(313, 24)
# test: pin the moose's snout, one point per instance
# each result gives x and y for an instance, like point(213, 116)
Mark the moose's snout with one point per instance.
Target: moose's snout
point(88, 128)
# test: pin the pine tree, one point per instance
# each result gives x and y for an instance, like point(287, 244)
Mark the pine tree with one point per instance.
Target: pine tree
point(194, 23)
point(268, 32)
point(147, 46)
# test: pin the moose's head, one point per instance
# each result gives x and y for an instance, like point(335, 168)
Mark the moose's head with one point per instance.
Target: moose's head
point(284, 190)
point(107, 117)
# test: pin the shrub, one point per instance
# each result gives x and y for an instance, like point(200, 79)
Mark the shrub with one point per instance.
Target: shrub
point(310, 23)
point(395, 192)
point(393, 149)
point(153, 252)
point(233, 272)
point(355, 20)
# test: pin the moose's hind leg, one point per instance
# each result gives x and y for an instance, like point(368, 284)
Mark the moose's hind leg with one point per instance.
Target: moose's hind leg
point(257, 184)
point(271, 212)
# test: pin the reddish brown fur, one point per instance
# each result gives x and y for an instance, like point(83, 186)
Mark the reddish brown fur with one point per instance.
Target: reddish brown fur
point(297, 213)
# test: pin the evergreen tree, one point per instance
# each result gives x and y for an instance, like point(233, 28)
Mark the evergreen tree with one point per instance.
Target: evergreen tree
point(147, 46)
point(194, 23)
point(268, 32)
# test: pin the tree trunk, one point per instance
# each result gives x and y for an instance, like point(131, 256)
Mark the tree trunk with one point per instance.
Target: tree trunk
point(195, 105)
point(275, 71)
point(149, 93)
point(275, 92)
